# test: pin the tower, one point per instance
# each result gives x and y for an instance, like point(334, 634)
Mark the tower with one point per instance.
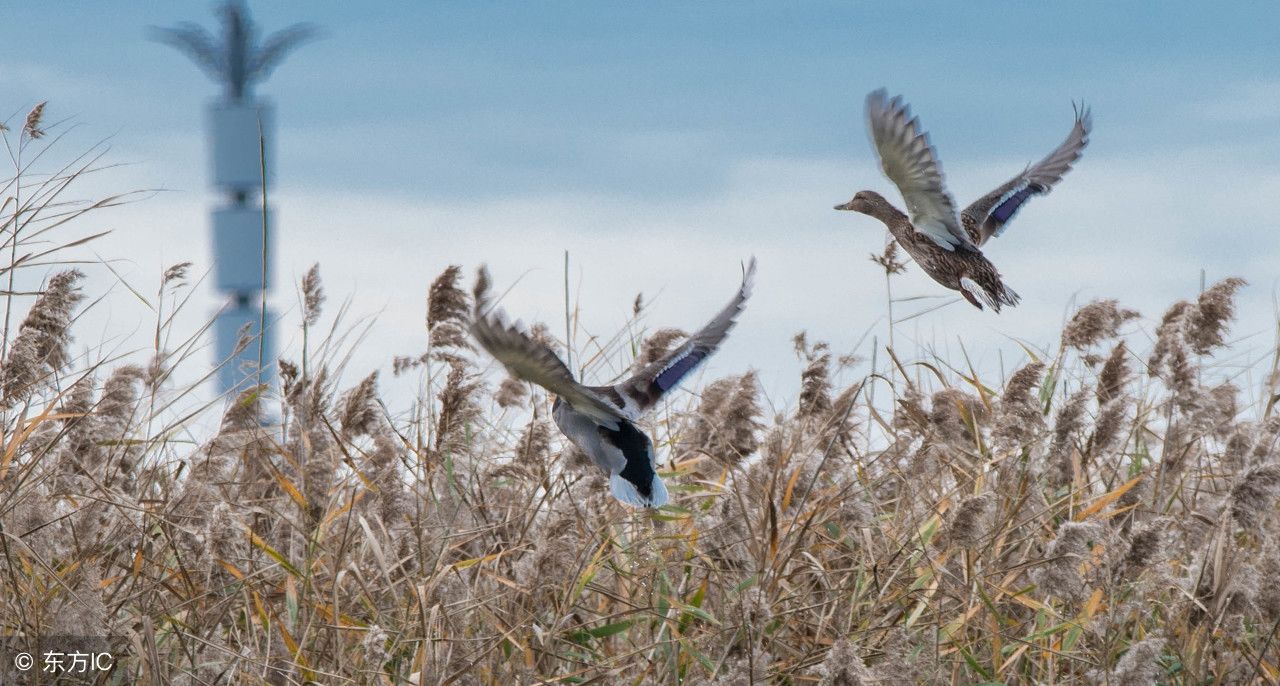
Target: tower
point(240, 135)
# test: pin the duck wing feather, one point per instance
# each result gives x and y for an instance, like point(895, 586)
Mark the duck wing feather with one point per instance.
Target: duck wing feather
point(988, 216)
point(910, 162)
point(530, 360)
point(643, 390)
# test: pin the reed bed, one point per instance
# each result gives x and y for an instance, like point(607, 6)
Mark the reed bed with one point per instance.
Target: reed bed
point(1103, 515)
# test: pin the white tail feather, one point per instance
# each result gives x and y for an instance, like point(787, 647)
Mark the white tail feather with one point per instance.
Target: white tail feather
point(972, 287)
point(626, 492)
point(1010, 296)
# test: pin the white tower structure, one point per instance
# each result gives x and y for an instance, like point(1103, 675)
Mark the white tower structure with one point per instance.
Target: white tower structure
point(240, 136)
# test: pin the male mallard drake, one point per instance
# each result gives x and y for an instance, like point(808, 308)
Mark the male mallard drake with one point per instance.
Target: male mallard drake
point(600, 419)
point(947, 249)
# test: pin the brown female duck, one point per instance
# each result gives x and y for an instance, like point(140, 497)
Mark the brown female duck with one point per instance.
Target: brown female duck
point(947, 248)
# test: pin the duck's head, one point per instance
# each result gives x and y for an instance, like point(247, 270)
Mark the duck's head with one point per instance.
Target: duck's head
point(866, 202)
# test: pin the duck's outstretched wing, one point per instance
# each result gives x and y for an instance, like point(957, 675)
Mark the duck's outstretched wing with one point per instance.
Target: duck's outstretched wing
point(532, 361)
point(908, 159)
point(988, 216)
point(642, 391)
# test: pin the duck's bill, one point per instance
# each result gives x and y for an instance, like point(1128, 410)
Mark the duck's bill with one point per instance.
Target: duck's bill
point(845, 206)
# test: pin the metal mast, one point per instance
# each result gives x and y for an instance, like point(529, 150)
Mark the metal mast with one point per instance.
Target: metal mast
point(240, 136)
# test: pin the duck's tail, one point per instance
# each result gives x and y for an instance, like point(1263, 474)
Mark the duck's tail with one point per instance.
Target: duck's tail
point(623, 489)
point(1008, 296)
point(994, 295)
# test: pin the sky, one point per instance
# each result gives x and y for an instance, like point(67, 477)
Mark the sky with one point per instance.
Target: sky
point(661, 144)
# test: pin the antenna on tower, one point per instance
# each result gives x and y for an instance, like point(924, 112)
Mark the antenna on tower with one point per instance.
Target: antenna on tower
point(240, 135)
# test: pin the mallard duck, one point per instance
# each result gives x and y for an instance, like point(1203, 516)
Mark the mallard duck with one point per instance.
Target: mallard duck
point(600, 420)
point(947, 248)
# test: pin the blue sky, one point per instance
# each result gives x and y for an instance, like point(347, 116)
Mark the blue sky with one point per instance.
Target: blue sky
point(661, 143)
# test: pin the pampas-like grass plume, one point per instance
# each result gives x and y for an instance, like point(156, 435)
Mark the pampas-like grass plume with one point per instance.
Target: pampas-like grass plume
point(1059, 572)
point(448, 311)
point(312, 295)
point(40, 348)
point(969, 526)
point(359, 415)
point(1020, 419)
point(1138, 667)
point(656, 345)
point(31, 128)
point(843, 667)
point(815, 380)
point(1255, 494)
point(1095, 322)
point(727, 424)
point(889, 260)
point(1215, 308)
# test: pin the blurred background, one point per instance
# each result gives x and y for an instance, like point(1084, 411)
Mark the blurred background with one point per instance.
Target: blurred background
point(661, 145)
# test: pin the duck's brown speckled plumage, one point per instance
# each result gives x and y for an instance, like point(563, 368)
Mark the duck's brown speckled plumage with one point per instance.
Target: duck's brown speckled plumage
point(946, 244)
point(946, 267)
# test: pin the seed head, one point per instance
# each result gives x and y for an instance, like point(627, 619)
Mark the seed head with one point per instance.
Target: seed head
point(32, 126)
point(1207, 325)
point(312, 295)
point(1100, 319)
point(40, 348)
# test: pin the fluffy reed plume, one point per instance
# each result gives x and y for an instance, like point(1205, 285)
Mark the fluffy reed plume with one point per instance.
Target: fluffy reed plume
point(1059, 571)
point(1138, 667)
point(1255, 494)
point(971, 523)
point(843, 667)
point(815, 380)
point(1129, 502)
point(1145, 545)
point(312, 296)
point(448, 311)
point(40, 348)
point(511, 392)
point(842, 423)
point(1115, 374)
point(1066, 429)
point(458, 410)
point(534, 446)
point(889, 260)
point(1268, 600)
point(176, 274)
point(1215, 308)
point(1170, 347)
point(955, 416)
point(31, 128)
point(1095, 322)
point(116, 416)
point(359, 415)
point(1266, 441)
point(727, 424)
point(656, 345)
point(1020, 418)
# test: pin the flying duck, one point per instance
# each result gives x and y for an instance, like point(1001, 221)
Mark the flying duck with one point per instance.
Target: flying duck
point(600, 420)
point(947, 248)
